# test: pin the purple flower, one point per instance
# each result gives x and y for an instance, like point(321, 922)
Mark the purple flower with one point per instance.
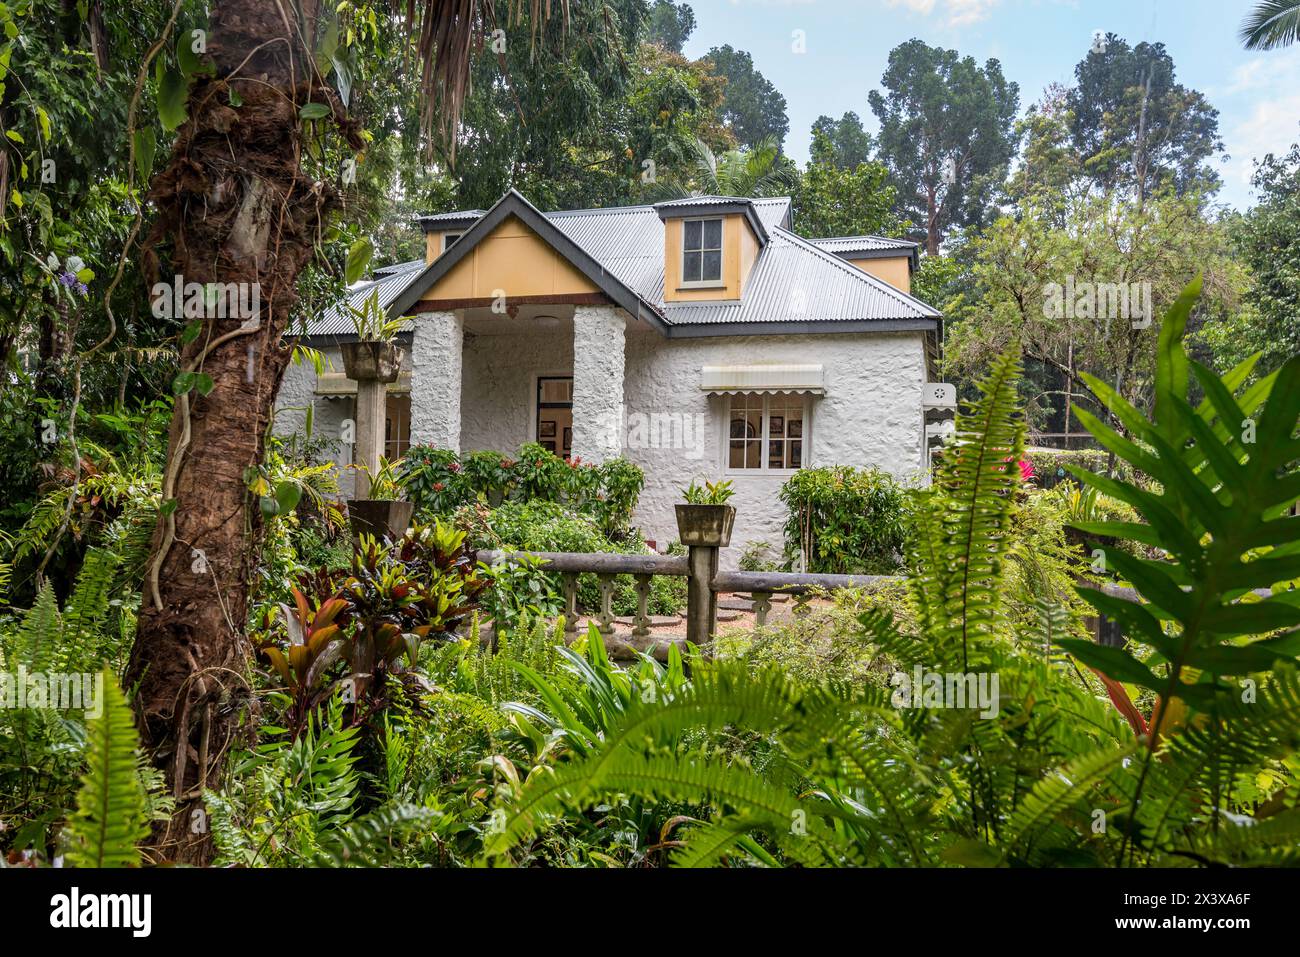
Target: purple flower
point(83, 288)
point(67, 278)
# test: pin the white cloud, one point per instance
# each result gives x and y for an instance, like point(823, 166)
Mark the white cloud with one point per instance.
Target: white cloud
point(1274, 70)
point(916, 6)
point(1272, 127)
point(957, 13)
point(964, 12)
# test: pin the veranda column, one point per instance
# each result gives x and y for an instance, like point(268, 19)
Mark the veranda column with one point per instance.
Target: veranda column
point(436, 356)
point(598, 347)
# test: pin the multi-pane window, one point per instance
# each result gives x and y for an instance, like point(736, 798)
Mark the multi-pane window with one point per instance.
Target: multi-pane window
point(397, 425)
point(767, 432)
point(702, 250)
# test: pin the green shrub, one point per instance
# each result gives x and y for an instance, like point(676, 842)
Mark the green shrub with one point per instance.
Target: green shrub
point(438, 482)
point(551, 527)
point(845, 521)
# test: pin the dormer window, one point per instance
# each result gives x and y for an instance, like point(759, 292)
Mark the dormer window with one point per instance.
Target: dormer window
point(702, 252)
point(449, 240)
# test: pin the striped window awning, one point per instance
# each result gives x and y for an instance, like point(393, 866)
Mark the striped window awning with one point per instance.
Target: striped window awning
point(337, 384)
point(764, 378)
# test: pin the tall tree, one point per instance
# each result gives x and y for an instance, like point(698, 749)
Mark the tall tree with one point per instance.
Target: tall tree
point(671, 25)
point(832, 200)
point(1272, 24)
point(1267, 241)
point(567, 130)
point(843, 143)
point(1041, 279)
point(945, 134)
point(234, 204)
point(752, 106)
point(1136, 128)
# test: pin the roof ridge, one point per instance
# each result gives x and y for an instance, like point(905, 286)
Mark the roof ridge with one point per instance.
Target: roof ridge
point(876, 236)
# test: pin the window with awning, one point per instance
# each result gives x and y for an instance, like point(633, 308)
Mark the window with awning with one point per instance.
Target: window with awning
point(331, 384)
point(766, 379)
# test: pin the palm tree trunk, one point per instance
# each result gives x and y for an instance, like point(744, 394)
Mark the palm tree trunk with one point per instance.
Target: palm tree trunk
point(233, 206)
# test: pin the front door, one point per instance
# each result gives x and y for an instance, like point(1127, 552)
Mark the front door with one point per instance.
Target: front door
point(555, 414)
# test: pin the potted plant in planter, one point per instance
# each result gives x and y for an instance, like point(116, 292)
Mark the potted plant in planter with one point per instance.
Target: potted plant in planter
point(705, 518)
point(383, 514)
point(375, 356)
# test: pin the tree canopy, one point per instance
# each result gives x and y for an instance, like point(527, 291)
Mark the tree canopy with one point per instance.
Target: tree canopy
point(752, 107)
point(945, 134)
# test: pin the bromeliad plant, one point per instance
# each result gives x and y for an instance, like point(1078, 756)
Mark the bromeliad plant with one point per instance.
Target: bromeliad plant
point(371, 322)
point(710, 493)
point(354, 626)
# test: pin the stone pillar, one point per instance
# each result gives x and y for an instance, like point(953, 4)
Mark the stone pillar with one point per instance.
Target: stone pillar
point(436, 356)
point(371, 396)
point(598, 347)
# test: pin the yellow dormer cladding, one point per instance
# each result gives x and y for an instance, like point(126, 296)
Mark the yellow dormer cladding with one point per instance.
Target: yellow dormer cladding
point(895, 270)
point(514, 261)
point(740, 248)
point(435, 242)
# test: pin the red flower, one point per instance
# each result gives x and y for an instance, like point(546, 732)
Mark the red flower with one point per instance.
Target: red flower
point(438, 486)
point(454, 467)
point(1026, 470)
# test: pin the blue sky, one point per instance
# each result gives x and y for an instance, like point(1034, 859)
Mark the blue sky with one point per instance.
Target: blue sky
point(1038, 43)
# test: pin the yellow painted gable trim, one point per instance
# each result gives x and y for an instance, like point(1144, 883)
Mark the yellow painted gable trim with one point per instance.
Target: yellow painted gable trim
point(513, 261)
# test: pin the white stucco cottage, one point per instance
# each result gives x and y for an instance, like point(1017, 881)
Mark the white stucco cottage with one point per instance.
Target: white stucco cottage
point(700, 338)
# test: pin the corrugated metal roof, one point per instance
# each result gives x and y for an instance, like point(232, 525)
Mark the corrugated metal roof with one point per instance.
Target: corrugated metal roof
point(793, 281)
point(853, 244)
point(407, 266)
point(389, 280)
point(460, 216)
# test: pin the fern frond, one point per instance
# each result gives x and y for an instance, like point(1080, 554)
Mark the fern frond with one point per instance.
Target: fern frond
point(368, 841)
point(963, 535)
point(1060, 790)
point(111, 815)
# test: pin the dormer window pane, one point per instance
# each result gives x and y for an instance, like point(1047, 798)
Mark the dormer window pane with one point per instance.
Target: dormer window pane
point(702, 250)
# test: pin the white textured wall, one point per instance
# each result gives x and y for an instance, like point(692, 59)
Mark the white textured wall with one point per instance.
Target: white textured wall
point(328, 414)
point(436, 369)
point(500, 384)
point(598, 351)
point(871, 413)
point(870, 416)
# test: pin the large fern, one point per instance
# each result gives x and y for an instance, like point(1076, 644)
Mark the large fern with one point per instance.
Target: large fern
point(111, 815)
point(962, 532)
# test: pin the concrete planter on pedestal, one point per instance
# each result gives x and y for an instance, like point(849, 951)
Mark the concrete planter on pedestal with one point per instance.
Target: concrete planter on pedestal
point(380, 517)
point(376, 361)
point(708, 525)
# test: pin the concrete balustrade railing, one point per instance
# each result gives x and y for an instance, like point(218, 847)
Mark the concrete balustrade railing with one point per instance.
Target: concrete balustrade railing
point(701, 606)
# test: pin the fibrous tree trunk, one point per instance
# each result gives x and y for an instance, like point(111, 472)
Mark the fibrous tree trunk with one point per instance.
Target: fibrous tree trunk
point(233, 206)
